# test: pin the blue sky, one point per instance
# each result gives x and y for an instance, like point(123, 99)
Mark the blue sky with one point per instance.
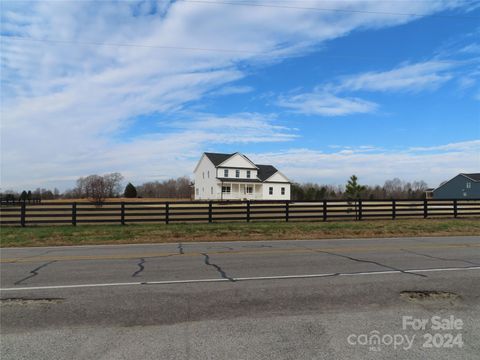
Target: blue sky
point(321, 89)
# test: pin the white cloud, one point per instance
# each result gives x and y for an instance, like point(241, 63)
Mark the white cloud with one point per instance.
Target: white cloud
point(64, 103)
point(325, 104)
point(157, 155)
point(410, 77)
point(431, 164)
point(328, 99)
point(467, 146)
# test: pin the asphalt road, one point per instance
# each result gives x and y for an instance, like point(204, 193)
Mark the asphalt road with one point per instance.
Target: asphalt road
point(315, 299)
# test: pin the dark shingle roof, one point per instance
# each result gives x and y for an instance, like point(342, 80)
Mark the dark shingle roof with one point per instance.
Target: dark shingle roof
point(474, 177)
point(217, 158)
point(265, 171)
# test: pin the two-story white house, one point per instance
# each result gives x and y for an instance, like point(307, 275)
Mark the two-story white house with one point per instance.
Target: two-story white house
point(236, 177)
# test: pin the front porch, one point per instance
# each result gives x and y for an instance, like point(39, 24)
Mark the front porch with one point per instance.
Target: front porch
point(240, 191)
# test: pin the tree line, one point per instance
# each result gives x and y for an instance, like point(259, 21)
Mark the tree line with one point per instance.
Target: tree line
point(110, 186)
point(391, 189)
point(100, 187)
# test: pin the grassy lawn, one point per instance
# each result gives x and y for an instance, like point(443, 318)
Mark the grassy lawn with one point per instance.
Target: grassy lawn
point(160, 233)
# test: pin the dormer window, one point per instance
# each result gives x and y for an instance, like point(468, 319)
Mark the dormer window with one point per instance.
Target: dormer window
point(225, 173)
point(237, 173)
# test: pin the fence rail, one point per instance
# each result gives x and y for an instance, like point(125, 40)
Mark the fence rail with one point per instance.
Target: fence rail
point(130, 212)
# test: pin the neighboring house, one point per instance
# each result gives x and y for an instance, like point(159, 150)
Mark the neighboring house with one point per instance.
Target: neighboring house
point(429, 193)
point(236, 177)
point(462, 186)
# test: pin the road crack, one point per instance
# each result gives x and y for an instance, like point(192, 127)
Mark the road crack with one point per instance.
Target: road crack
point(440, 258)
point(140, 266)
point(34, 272)
point(218, 268)
point(180, 249)
point(368, 261)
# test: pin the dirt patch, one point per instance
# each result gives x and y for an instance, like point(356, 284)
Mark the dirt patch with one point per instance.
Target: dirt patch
point(31, 301)
point(429, 296)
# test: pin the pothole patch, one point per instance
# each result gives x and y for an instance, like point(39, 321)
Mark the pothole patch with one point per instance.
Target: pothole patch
point(30, 301)
point(429, 296)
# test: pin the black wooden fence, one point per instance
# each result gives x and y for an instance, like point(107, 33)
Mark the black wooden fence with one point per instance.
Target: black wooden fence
point(129, 212)
point(195, 211)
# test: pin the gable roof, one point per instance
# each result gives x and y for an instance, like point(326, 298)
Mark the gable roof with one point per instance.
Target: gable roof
point(474, 177)
point(217, 158)
point(265, 171)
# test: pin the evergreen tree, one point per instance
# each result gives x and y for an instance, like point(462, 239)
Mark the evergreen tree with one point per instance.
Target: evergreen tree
point(130, 191)
point(353, 190)
point(23, 196)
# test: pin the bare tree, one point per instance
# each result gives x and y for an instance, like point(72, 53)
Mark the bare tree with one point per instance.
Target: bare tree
point(113, 184)
point(96, 188)
point(172, 188)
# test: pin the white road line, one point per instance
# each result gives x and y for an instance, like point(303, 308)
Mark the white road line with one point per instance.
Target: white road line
point(278, 277)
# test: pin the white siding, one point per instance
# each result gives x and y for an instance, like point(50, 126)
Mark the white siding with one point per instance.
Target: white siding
point(277, 191)
point(277, 177)
point(238, 160)
point(205, 179)
point(231, 173)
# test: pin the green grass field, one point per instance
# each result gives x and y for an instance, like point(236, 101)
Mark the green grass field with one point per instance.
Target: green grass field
point(160, 233)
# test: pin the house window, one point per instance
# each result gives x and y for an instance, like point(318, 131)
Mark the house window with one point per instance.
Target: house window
point(469, 185)
point(283, 191)
point(196, 191)
point(203, 190)
point(208, 174)
point(237, 173)
point(211, 190)
point(248, 174)
point(249, 189)
point(225, 173)
point(225, 189)
point(203, 174)
point(270, 190)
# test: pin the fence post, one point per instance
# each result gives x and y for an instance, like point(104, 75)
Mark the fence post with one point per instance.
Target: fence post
point(359, 209)
point(455, 209)
point(324, 210)
point(248, 210)
point(122, 213)
point(425, 209)
point(394, 209)
point(167, 213)
point(210, 211)
point(287, 212)
point(74, 214)
point(22, 214)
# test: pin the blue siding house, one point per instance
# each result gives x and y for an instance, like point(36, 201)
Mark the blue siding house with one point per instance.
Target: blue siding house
point(462, 186)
